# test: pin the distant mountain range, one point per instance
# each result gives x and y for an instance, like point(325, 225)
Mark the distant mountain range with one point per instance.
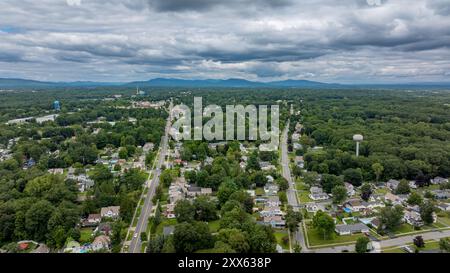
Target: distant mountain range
point(229, 83)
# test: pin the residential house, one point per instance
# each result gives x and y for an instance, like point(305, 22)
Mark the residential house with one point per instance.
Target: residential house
point(412, 184)
point(274, 221)
point(271, 189)
point(101, 242)
point(103, 228)
point(319, 196)
point(413, 218)
point(273, 201)
point(444, 206)
point(170, 211)
point(441, 194)
point(297, 146)
point(148, 147)
point(299, 161)
point(92, 220)
point(356, 205)
point(110, 212)
point(269, 167)
point(41, 249)
point(439, 180)
point(271, 211)
point(57, 171)
point(392, 184)
point(314, 207)
point(352, 229)
point(350, 189)
point(392, 198)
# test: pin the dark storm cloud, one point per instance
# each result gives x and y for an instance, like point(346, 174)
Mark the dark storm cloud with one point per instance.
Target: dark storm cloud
point(121, 40)
point(202, 5)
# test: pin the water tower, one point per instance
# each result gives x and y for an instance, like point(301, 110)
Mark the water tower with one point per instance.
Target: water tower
point(358, 139)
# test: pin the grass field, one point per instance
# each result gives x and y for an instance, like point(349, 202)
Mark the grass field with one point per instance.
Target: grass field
point(316, 239)
point(167, 222)
point(279, 236)
point(214, 226)
point(86, 235)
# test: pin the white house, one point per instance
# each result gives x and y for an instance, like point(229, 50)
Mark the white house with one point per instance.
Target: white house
point(110, 212)
point(101, 242)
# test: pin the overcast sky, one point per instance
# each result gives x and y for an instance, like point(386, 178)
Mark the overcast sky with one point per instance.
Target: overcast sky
point(345, 41)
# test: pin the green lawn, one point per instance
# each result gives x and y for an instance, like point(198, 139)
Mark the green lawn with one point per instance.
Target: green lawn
point(167, 222)
point(259, 191)
point(86, 235)
point(214, 226)
point(404, 228)
point(316, 239)
point(382, 191)
point(444, 220)
point(279, 236)
point(304, 197)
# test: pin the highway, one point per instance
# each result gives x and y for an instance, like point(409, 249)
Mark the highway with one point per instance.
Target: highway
point(292, 192)
point(136, 244)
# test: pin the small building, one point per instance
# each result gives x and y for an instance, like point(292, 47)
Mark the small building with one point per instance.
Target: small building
point(41, 249)
point(413, 218)
point(319, 196)
point(57, 171)
point(314, 207)
point(441, 194)
point(356, 205)
point(350, 189)
point(110, 212)
point(444, 206)
point(92, 220)
point(101, 242)
point(439, 180)
point(274, 221)
point(351, 229)
point(392, 184)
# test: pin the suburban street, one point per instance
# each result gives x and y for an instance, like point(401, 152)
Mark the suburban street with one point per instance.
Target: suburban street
point(390, 243)
point(292, 192)
point(135, 245)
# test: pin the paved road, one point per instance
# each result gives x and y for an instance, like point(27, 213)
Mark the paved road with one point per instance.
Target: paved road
point(135, 245)
point(390, 243)
point(291, 193)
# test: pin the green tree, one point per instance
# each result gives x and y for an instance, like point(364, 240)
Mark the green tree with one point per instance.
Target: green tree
point(353, 176)
point(282, 183)
point(189, 237)
point(391, 217)
point(293, 219)
point(324, 224)
point(226, 189)
point(361, 244)
point(444, 245)
point(166, 177)
point(403, 187)
point(366, 191)
point(378, 170)
point(184, 211)
point(339, 194)
point(415, 199)
point(427, 210)
point(205, 209)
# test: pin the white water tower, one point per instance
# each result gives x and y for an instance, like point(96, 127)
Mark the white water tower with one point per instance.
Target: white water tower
point(358, 139)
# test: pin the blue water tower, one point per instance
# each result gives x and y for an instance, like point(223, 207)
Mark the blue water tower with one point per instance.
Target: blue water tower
point(57, 105)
